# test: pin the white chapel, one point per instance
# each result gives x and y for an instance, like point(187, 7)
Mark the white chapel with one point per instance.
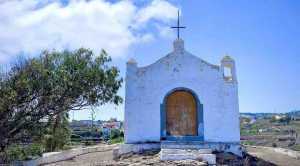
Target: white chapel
point(182, 98)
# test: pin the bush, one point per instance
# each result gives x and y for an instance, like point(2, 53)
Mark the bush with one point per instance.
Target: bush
point(15, 152)
point(75, 138)
point(116, 140)
point(34, 150)
point(96, 134)
point(115, 133)
point(84, 133)
point(23, 152)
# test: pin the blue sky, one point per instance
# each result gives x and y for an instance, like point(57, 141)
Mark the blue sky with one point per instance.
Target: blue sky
point(262, 36)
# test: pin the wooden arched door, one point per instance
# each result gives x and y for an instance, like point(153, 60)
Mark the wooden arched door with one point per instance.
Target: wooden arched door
point(181, 114)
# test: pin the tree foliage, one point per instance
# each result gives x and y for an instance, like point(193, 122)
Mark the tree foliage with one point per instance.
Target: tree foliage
point(37, 89)
point(57, 134)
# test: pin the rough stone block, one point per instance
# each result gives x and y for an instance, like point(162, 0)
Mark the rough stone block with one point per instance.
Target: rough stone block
point(127, 148)
point(181, 154)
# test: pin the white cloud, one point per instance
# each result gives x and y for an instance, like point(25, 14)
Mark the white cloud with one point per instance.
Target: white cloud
point(29, 26)
point(165, 31)
point(158, 10)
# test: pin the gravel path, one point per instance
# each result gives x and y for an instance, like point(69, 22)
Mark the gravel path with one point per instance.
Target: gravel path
point(105, 158)
point(273, 157)
point(90, 159)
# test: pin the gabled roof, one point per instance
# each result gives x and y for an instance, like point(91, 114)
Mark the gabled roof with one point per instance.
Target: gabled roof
point(178, 51)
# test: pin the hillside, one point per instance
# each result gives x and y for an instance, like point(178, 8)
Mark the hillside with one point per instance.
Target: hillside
point(268, 115)
point(271, 129)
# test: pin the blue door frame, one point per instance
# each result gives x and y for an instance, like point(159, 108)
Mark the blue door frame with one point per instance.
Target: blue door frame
point(200, 131)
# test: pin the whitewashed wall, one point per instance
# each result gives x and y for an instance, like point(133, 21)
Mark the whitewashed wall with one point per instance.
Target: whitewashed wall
point(147, 86)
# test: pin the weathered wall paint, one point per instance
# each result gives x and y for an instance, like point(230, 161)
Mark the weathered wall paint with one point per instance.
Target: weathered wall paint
point(147, 86)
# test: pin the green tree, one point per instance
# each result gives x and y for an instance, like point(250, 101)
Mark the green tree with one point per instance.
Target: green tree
point(58, 133)
point(38, 89)
point(93, 117)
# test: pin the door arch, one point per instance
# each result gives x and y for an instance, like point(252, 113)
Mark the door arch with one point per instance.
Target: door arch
point(181, 114)
point(195, 130)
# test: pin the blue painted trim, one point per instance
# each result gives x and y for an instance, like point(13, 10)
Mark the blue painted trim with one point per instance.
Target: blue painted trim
point(200, 131)
point(162, 120)
point(184, 138)
point(200, 113)
point(200, 120)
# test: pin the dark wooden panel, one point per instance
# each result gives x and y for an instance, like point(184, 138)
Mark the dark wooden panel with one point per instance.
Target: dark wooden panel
point(181, 114)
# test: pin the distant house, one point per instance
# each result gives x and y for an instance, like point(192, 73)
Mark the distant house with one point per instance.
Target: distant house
point(86, 122)
point(112, 125)
point(279, 117)
point(247, 120)
point(264, 130)
point(109, 125)
point(252, 121)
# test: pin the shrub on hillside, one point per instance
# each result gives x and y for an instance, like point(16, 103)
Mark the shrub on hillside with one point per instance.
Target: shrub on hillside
point(23, 152)
point(115, 133)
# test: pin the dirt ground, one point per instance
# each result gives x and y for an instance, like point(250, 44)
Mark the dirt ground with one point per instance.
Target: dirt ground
point(273, 157)
point(90, 159)
point(105, 159)
point(265, 157)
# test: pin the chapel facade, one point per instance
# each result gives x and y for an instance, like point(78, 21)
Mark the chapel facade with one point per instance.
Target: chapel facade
point(181, 97)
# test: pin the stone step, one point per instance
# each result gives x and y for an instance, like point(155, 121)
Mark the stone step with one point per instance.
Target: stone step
point(184, 145)
point(185, 154)
point(233, 147)
point(194, 151)
point(163, 146)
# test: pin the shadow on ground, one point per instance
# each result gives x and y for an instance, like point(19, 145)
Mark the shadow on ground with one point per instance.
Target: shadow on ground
point(246, 160)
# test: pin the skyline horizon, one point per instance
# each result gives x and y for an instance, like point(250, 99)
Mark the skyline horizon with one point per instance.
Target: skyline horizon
point(296, 110)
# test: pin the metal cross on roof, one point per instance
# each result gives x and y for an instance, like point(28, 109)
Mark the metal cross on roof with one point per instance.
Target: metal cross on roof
point(178, 25)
